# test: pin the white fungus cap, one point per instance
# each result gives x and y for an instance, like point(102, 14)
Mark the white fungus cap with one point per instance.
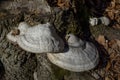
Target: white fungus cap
point(23, 26)
point(105, 20)
point(74, 41)
point(93, 21)
point(76, 58)
point(41, 38)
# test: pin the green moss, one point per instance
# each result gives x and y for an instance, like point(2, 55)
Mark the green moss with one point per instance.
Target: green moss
point(59, 73)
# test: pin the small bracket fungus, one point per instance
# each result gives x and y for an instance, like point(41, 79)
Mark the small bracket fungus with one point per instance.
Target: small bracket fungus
point(40, 38)
point(101, 20)
point(81, 57)
point(93, 21)
point(74, 41)
point(105, 20)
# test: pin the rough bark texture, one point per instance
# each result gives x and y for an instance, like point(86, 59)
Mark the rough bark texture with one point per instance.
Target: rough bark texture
point(16, 63)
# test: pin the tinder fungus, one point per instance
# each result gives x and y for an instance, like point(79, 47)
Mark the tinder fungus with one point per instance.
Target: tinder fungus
point(40, 38)
point(78, 56)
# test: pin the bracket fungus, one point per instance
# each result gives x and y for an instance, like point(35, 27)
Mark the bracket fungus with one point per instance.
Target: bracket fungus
point(77, 57)
point(101, 20)
point(40, 38)
point(93, 21)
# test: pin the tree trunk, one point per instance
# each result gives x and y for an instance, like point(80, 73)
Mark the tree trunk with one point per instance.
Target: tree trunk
point(17, 64)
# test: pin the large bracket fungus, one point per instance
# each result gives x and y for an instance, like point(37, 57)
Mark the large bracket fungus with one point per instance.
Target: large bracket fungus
point(40, 38)
point(78, 57)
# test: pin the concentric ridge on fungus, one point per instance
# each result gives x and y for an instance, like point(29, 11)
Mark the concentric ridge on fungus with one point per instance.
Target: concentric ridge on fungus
point(78, 57)
point(40, 38)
